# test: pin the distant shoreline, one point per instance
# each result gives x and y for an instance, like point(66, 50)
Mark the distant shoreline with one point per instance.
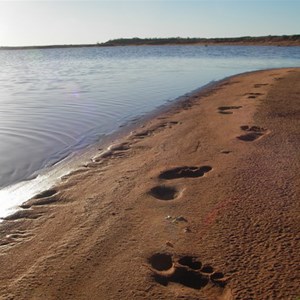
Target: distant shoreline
point(284, 41)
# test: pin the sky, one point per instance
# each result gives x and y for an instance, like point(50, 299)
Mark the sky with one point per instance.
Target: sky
point(41, 22)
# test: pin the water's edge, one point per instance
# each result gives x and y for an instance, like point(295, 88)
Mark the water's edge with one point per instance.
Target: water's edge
point(14, 195)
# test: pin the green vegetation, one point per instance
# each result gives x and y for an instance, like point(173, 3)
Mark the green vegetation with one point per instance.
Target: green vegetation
point(283, 40)
point(288, 39)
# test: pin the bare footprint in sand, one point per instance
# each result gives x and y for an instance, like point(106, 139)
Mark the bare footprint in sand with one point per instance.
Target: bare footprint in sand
point(184, 270)
point(145, 133)
point(258, 85)
point(163, 192)
point(253, 95)
point(185, 172)
point(226, 110)
point(113, 151)
point(253, 133)
point(23, 214)
point(225, 151)
point(44, 198)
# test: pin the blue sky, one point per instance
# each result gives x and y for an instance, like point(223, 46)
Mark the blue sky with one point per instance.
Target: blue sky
point(75, 22)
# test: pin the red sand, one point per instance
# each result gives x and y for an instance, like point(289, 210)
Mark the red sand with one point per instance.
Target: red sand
point(202, 202)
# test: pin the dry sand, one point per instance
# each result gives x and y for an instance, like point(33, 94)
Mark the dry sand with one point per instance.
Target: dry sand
point(199, 203)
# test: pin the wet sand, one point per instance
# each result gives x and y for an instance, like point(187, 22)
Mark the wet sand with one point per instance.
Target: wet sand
point(201, 202)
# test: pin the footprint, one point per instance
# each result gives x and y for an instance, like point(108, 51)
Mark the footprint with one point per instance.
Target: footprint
point(218, 278)
point(225, 151)
point(250, 137)
point(227, 109)
point(184, 270)
point(120, 147)
point(23, 214)
point(254, 132)
point(191, 262)
point(225, 112)
point(44, 198)
point(143, 134)
point(258, 85)
point(163, 192)
point(161, 261)
point(189, 278)
point(113, 151)
point(185, 172)
point(106, 154)
point(207, 269)
point(253, 128)
point(253, 95)
point(167, 124)
point(156, 128)
point(44, 194)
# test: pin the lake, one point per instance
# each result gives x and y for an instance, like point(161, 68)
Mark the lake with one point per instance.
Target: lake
point(56, 101)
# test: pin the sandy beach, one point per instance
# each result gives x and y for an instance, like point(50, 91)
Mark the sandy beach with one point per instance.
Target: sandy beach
point(200, 202)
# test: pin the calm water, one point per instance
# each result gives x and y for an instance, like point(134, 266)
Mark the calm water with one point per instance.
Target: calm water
point(55, 101)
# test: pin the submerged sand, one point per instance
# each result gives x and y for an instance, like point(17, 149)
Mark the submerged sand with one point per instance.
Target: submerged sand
point(201, 202)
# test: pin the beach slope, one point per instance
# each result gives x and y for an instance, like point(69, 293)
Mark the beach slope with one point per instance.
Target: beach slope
point(200, 202)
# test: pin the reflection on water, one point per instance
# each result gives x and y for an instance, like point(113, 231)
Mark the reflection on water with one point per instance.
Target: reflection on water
point(55, 101)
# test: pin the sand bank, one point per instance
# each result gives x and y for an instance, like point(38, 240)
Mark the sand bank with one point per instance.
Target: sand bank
point(198, 203)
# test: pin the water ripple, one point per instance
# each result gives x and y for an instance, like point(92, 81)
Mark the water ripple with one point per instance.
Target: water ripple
point(54, 101)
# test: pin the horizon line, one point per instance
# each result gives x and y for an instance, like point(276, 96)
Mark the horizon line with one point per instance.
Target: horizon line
point(148, 38)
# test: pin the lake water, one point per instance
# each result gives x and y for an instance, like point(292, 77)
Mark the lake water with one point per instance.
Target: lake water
point(56, 101)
